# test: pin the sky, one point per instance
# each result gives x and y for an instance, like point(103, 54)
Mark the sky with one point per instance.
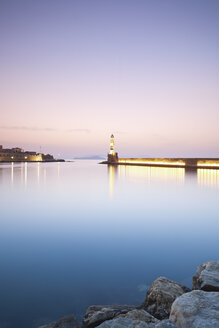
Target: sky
point(73, 72)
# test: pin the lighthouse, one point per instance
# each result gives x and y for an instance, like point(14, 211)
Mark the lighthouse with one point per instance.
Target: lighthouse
point(111, 144)
point(112, 155)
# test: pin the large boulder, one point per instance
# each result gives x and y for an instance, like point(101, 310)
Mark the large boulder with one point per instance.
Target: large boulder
point(166, 324)
point(65, 322)
point(97, 314)
point(141, 315)
point(197, 309)
point(207, 276)
point(137, 319)
point(124, 323)
point(161, 295)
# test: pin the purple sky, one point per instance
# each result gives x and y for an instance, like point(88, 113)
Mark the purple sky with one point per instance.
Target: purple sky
point(73, 72)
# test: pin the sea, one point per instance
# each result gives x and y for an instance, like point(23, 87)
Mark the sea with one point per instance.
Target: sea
point(80, 233)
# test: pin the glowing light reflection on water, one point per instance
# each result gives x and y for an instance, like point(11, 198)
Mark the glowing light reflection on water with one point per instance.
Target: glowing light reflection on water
point(76, 234)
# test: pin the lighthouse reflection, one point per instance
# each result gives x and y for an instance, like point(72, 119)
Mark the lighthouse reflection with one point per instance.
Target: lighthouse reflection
point(112, 173)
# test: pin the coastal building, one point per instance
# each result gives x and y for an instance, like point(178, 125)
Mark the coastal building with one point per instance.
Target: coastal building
point(19, 155)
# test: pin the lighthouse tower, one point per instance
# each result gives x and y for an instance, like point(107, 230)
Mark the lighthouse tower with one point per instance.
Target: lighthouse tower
point(111, 144)
point(112, 155)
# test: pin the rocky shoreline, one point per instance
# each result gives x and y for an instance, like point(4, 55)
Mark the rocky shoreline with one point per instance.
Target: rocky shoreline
point(168, 304)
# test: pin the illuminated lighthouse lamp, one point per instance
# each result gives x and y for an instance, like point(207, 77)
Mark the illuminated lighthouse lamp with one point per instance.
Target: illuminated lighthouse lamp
point(112, 155)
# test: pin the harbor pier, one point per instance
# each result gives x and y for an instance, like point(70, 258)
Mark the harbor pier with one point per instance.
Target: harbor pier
point(113, 159)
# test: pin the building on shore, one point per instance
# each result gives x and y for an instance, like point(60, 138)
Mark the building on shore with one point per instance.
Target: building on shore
point(19, 155)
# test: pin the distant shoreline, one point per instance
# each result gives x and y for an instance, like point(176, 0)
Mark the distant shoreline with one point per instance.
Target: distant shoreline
point(51, 161)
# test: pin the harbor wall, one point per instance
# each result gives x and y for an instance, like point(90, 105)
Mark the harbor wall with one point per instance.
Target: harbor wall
point(169, 162)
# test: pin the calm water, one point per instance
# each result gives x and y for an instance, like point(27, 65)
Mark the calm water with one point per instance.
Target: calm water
point(76, 234)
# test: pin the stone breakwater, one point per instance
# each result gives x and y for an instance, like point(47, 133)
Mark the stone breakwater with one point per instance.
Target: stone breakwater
point(168, 304)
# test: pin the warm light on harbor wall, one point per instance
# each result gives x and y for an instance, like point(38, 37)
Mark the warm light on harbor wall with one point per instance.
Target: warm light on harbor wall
point(39, 158)
point(208, 163)
point(151, 162)
point(34, 158)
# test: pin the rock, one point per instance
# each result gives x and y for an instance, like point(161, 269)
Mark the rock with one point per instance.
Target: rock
point(97, 314)
point(207, 276)
point(124, 323)
point(65, 322)
point(161, 295)
point(140, 315)
point(197, 309)
point(166, 324)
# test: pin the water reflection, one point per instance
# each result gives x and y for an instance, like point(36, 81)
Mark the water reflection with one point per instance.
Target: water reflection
point(112, 173)
point(44, 175)
point(202, 177)
point(22, 173)
point(62, 225)
point(25, 174)
point(58, 170)
point(153, 173)
point(38, 173)
point(12, 173)
point(208, 177)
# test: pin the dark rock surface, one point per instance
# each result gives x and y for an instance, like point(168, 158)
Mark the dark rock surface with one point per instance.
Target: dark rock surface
point(207, 276)
point(161, 295)
point(65, 322)
point(140, 315)
point(166, 324)
point(137, 319)
point(97, 314)
point(124, 323)
point(197, 309)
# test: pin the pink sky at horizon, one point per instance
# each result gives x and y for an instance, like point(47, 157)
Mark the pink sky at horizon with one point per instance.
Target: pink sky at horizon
point(75, 72)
